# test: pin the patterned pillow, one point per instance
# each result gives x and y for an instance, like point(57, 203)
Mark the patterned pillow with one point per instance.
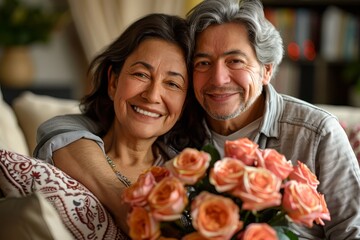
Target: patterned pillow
point(80, 211)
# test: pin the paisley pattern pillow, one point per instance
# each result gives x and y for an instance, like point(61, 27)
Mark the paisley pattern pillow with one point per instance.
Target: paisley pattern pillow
point(80, 211)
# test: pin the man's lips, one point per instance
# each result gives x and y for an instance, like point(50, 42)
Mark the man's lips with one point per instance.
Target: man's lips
point(220, 97)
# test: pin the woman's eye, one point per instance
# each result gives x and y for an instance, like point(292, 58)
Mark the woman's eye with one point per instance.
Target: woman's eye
point(173, 84)
point(140, 75)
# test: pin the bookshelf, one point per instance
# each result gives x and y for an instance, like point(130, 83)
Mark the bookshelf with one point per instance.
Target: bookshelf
point(321, 40)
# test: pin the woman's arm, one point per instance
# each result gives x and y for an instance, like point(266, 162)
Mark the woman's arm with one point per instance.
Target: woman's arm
point(69, 142)
point(84, 161)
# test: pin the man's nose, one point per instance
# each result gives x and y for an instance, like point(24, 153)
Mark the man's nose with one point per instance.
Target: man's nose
point(220, 75)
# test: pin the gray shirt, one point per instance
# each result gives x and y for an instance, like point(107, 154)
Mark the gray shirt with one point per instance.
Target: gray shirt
point(295, 128)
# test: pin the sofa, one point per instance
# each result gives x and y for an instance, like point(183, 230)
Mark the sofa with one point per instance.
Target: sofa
point(22, 176)
point(35, 195)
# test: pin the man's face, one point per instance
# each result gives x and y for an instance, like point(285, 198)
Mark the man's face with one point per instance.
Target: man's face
point(227, 75)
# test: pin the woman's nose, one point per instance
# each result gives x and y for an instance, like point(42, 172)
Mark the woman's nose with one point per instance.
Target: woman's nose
point(152, 93)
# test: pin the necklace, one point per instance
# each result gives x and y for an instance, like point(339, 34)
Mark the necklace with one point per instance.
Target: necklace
point(124, 180)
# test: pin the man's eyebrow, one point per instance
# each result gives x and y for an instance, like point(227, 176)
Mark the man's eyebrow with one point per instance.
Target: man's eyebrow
point(227, 53)
point(234, 52)
point(201, 54)
point(151, 68)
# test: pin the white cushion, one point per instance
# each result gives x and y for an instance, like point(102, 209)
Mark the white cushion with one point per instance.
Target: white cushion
point(32, 110)
point(11, 135)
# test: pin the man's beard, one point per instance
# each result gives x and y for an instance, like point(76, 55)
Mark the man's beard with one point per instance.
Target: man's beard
point(243, 106)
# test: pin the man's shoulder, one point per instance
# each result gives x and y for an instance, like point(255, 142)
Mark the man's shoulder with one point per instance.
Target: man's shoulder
point(297, 110)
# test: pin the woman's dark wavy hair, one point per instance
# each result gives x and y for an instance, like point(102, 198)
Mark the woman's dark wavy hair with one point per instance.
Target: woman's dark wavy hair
point(98, 106)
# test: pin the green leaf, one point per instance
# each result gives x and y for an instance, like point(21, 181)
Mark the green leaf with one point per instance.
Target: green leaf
point(284, 233)
point(209, 148)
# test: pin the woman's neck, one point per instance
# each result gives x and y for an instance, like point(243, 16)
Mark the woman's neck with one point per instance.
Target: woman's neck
point(130, 151)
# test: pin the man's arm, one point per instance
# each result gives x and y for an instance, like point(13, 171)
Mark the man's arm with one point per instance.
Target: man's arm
point(59, 131)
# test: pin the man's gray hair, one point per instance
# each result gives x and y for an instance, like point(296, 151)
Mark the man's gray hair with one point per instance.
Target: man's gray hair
point(265, 39)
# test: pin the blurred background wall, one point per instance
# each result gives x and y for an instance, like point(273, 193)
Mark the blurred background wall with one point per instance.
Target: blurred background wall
point(85, 28)
point(321, 41)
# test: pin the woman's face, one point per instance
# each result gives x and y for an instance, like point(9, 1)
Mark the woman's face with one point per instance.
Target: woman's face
point(150, 91)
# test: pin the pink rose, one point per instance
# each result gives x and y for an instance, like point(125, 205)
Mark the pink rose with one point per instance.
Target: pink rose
point(259, 231)
point(137, 194)
point(303, 174)
point(304, 204)
point(226, 173)
point(142, 225)
point(258, 189)
point(215, 216)
point(243, 149)
point(168, 199)
point(190, 165)
point(276, 163)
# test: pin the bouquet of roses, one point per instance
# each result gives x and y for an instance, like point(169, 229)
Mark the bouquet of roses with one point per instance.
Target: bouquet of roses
point(249, 194)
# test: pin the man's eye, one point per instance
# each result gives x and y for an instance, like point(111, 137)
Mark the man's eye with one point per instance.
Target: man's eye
point(202, 66)
point(203, 63)
point(236, 64)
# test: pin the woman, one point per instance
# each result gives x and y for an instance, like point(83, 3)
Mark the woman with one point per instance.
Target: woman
point(140, 85)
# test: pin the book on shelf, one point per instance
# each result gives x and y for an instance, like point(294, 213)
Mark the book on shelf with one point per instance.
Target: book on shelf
point(333, 34)
point(340, 31)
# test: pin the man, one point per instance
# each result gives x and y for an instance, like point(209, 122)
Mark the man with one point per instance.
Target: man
point(237, 52)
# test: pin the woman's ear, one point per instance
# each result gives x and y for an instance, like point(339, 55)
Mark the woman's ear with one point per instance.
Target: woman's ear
point(268, 71)
point(112, 83)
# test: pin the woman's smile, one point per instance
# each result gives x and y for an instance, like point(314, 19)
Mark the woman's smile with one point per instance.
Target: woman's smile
point(145, 112)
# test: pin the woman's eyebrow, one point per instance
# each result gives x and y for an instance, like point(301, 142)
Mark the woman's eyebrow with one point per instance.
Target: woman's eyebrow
point(151, 68)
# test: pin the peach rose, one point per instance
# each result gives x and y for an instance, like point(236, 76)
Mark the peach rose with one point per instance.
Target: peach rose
point(142, 225)
point(276, 163)
point(168, 199)
point(159, 172)
point(243, 149)
point(226, 173)
point(304, 205)
point(194, 236)
point(303, 174)
point(325, 212)
point(215, 216)
point(190, 165)
point(137, 194)
point(259, 231)
point(258, 189)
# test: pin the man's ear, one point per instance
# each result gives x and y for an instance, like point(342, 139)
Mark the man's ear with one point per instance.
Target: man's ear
point(267, 73)
point(112, 83)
